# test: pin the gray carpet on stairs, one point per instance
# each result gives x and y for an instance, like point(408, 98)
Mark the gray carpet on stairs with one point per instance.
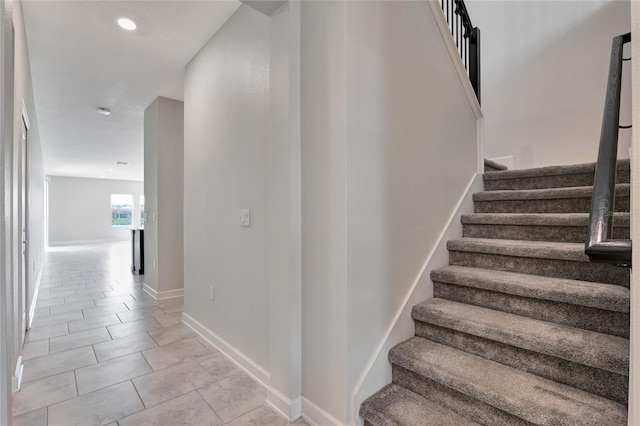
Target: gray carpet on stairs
point(493, 166)
point(523, 329)
point(550, 177)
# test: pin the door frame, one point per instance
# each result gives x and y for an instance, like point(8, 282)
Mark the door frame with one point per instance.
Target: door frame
point(25, 304)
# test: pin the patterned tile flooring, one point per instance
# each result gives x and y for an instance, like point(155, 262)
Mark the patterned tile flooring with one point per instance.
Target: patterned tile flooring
point(103, 352)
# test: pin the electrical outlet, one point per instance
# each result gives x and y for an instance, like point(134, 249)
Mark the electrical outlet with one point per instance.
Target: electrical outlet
point(212, 293)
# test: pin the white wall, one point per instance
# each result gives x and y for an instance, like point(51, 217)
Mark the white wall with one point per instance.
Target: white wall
point(80, 209)
point(388, 149)
point(17, 91)
point(226, 102)
point(544, 72)
point(283, 197)
point(23, 99)
point(324, 208)
point(344, 171)
point(163, 187)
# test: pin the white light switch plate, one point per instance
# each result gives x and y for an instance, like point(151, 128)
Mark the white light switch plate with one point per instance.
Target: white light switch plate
point(245, 217)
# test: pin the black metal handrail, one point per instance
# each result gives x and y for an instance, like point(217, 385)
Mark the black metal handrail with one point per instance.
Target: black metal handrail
point(600, 246)
point(466, 37)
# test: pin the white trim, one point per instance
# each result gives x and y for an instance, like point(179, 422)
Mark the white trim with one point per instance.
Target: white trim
point(377, 372)
point(480, 144)
point(25, 115)
point(162, 295)
point(32, 308)
point(248, 365)
point(16, 380)
point(81, 242)
point(291, 410)
point(441, 20)
point(150, 290)
point(316, 416)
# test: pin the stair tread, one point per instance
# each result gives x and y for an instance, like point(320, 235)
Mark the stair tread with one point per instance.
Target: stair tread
point(520, 248)
point(621, 219)
point(598, 350)
point(584, 293)
point(495, 165)
point(532, 398)
point(622, 189)
point(396, 405)
point(549, 171)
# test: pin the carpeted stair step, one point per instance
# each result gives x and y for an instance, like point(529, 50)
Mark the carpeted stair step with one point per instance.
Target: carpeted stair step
point(394, 405)
point(493, 166)
point(559, 227)
point(550, 259)
point(555, 200)
point(591, 306)
point(594, 362)
point(550, 177)
point(495, 394)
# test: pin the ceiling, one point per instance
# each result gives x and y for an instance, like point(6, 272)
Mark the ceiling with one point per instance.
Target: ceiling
point(81, 60)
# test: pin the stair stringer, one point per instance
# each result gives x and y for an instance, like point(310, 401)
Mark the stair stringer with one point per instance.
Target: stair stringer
point(377, 372)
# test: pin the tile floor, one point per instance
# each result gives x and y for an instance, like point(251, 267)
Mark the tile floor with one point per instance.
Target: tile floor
point(103, 352)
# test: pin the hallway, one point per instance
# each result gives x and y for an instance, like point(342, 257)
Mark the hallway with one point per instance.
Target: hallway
point(103, 352)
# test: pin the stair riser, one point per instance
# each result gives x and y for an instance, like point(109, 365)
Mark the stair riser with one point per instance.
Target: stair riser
point(560, 234)
point(542, 182)
point(453, 400)
point(582, 271)
point(608, 385)
point(555, 205)
point(602, 321)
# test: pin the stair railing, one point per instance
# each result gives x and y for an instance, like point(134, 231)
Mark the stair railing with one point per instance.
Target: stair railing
point(467, 39)
point(600, 246)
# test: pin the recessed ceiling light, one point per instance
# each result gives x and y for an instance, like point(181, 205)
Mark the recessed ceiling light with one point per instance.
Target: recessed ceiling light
point(121, 163)
point(127, 24)
point(103, 111)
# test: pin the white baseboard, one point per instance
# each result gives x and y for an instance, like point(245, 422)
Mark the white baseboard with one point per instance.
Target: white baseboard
point(291, 410)
point(16, 380)
point(32, 306)
point(162, 295)
point(81, 242)
point(316, 416)
point(248, 365)
point(377, 372)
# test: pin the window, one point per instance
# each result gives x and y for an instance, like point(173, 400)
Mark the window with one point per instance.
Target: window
point(121, 210)
point(142, 210)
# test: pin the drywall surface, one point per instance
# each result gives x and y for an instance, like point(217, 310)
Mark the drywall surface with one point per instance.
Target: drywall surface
point(544, 73)
point(164, 186)
point(151, 194)
point(411, 152)
point(170, 193)
point(226, 102)
point(388, 149)
point(24, 103)
point(80, 209)
point(324, 208)
point(283, 197)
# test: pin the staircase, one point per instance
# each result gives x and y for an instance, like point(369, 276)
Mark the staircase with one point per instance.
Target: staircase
point(522, 329)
